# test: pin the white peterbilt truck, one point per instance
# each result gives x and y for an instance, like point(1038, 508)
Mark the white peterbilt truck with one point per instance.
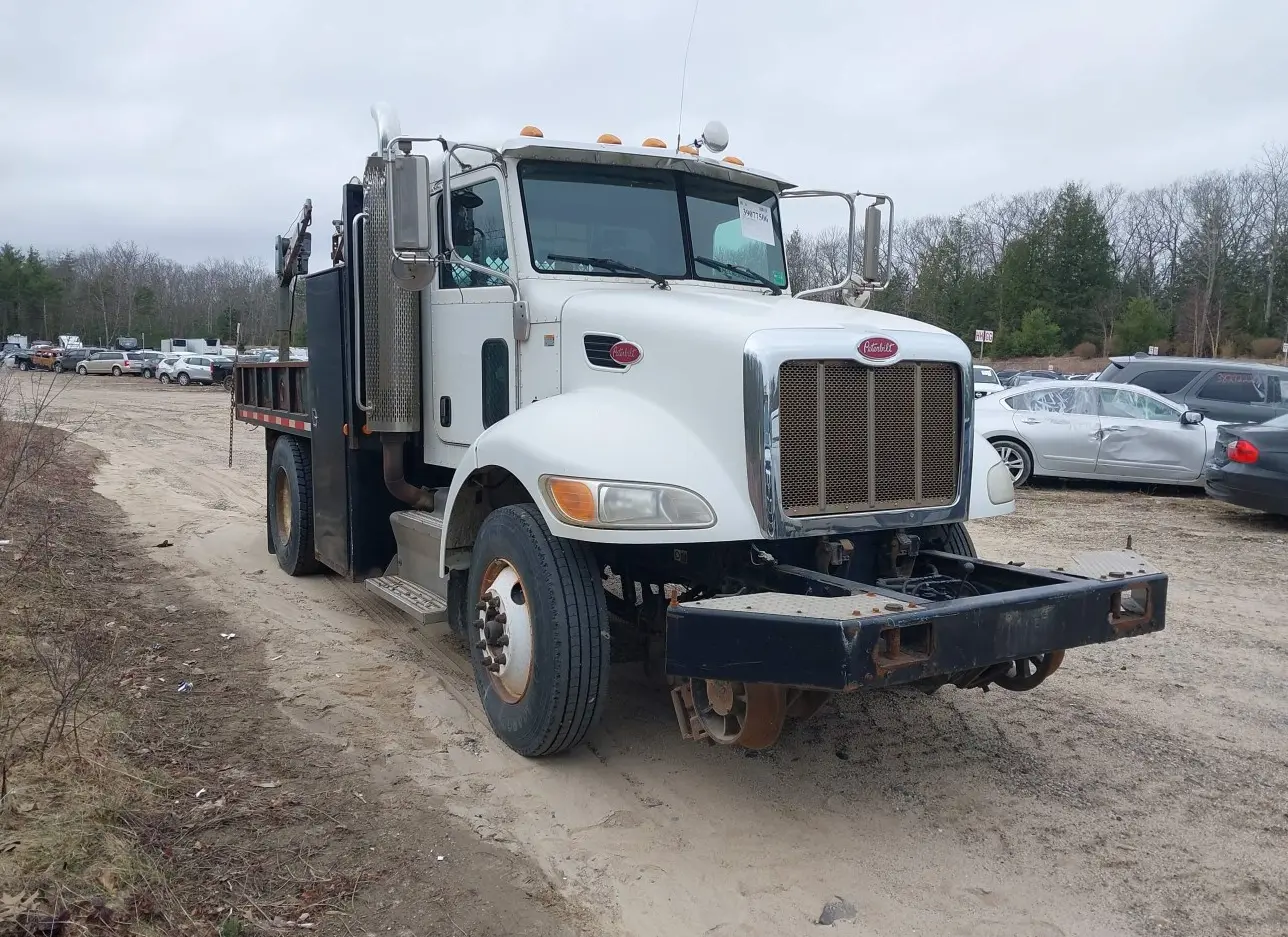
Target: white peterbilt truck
point(560, 396)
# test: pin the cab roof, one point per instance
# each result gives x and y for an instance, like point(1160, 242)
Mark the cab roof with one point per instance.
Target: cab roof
point(610, 154)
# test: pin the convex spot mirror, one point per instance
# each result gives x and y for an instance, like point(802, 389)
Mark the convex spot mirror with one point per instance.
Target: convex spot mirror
point(463, 205)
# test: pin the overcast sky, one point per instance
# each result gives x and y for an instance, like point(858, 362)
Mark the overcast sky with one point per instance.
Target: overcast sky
point(198, 128)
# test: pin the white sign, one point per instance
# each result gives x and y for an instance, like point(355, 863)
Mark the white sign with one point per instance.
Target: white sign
point(1285, 348)
point(1153, 349)
point(984, 335)
point(757, 222)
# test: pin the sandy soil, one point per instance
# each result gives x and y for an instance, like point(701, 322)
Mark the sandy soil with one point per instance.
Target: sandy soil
point(1139, 791)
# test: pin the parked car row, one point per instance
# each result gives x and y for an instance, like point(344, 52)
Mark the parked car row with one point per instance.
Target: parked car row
point(180, 369)
point(1230, 391)
point(1118, 432)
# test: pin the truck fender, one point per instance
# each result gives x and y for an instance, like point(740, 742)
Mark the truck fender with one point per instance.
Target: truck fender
point(991, 491)
point(601, 434)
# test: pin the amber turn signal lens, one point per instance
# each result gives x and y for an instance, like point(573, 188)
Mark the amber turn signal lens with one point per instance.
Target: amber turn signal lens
point(574, 499)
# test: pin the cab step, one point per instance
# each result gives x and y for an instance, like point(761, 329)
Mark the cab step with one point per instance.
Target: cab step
point(418, 602)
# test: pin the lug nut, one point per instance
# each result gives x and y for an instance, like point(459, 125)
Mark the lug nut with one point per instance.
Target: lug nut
point(482, 645)
point(498, 659)
point(500, 618)
point(492, 666)
point(482, 606)
point(503, 641)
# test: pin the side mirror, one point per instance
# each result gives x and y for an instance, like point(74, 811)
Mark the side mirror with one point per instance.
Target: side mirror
point(409, 203)
point(872, 243)
point(1191, 418)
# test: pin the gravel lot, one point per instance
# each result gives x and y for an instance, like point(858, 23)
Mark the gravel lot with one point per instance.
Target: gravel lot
point(1139, 791)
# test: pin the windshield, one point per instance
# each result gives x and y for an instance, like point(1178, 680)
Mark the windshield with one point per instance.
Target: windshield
point(985, 375)
point(628, 221)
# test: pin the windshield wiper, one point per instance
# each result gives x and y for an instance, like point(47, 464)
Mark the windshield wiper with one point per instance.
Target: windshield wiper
point(616, 266)
point(739, 268)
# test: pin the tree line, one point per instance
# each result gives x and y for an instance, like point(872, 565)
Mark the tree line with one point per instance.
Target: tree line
point(101, 294)
point(1198, 266)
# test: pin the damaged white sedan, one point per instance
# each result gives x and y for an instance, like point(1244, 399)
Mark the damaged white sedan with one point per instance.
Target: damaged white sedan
point(1107, 431)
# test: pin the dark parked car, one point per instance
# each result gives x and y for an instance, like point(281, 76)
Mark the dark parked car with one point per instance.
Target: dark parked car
point(1225, 391)
point(1249, 466)
point(72, 357)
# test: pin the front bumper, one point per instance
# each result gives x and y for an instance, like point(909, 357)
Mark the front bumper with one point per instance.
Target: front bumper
point(864, 636)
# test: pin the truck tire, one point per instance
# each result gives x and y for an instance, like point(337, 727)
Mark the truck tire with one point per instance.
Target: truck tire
point(955, 538)
point(551, 651)
point(290, 506)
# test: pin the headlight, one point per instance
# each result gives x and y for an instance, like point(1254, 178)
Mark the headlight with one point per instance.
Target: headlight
point(1001, 488)
point(587, 502)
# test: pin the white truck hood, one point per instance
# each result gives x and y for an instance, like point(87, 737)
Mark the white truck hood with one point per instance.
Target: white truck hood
point(719, 311)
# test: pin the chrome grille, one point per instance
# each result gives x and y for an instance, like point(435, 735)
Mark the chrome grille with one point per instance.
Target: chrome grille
point(855, 438)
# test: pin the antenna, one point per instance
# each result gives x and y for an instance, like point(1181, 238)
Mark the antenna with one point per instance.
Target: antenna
point(684, 74)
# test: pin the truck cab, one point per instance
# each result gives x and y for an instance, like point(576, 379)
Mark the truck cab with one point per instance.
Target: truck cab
point(559, 395)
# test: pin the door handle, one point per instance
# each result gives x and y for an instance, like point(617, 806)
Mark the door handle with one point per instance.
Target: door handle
point(1113, 429)
point(1030, 421)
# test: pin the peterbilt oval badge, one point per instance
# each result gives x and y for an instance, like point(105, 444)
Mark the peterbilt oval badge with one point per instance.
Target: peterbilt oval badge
point(625, 353)
point(878, 348)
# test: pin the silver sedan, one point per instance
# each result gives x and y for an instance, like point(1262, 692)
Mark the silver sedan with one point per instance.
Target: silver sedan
point(1090, 430)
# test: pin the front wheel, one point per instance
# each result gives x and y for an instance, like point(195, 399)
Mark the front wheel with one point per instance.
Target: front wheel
point(184, 380)
point(538, 629)
point(82, 370)
point(24, 366)
point(1017, 460)
point(165, 378)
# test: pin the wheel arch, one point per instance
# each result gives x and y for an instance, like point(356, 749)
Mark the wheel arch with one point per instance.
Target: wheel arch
point(474, 495)
point(599, 434)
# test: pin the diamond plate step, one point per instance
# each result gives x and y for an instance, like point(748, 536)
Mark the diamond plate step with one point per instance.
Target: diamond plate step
point(418, 602)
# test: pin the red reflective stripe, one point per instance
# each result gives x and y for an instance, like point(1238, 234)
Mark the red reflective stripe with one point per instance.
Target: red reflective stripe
point(269, 419)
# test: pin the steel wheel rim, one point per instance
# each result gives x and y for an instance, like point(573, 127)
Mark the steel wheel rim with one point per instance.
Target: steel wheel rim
point(1013, 459)
point(503, 630)
point(282, 497)
point(735, 713)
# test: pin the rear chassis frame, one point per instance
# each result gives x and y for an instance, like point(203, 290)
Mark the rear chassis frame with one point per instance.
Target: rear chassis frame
point(878, 636)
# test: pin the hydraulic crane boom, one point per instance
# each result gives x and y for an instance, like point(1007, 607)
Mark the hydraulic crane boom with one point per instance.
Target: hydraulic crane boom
point(292, 260)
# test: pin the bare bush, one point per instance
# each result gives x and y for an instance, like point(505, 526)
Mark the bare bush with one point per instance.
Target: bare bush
point(1265, 347)
point(1086, 350)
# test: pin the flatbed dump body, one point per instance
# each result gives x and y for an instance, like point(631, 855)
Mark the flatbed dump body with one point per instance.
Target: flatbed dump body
point(274, 394)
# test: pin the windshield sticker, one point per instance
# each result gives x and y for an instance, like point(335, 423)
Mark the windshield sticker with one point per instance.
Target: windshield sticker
point(779, 278)
point(757, 222)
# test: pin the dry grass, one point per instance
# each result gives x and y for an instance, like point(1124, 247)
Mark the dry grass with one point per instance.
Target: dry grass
point(126, 806)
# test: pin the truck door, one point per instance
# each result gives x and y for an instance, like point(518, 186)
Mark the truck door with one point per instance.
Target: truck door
point(471, 317)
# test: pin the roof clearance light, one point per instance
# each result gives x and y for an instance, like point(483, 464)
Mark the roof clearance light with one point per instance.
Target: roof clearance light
point(609, 138)
point(654, 141)
point(734, 160)
point(688, 148)
point(531, 131)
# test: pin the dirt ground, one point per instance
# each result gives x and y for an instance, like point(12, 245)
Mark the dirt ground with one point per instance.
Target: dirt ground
point(1140, 791)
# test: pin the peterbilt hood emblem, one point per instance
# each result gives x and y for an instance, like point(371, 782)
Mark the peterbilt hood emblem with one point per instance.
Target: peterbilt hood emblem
point(878, 348)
